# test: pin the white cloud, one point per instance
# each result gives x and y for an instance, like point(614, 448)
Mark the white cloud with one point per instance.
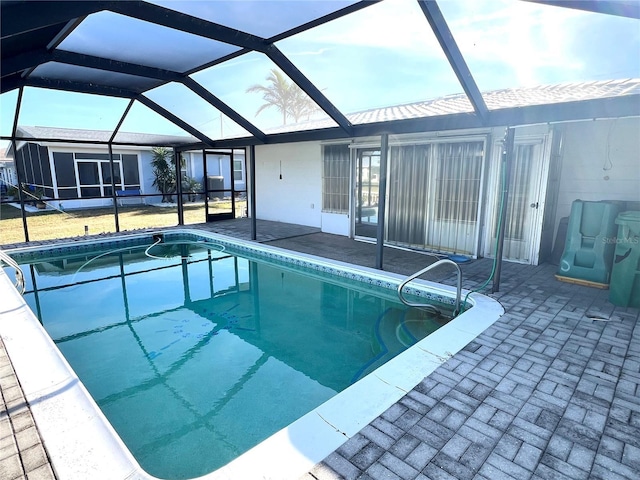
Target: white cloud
point(392, 24)
point(526, 39)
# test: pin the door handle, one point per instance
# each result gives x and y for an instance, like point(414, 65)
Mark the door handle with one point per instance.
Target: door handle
point(534, 205)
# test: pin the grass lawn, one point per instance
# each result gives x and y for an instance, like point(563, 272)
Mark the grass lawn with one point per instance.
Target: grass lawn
point(51, 224)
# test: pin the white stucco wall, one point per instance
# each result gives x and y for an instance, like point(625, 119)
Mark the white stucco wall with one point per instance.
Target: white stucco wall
point(297, 196)
point(600, 161)
point(336, 223)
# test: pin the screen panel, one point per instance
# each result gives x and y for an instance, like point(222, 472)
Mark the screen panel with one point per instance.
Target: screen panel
point(193, 109)
point(141, 119)
point(59, 111)
point(8, 102)
point(264, 18)
point(259, 91)
point(383, 55)
point(110, 35)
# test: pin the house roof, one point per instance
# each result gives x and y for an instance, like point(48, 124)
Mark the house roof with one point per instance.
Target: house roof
point(101, 136)
point(498, 99)
point(195, 65)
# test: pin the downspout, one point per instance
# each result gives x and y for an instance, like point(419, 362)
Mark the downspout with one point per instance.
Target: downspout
point(382, 196)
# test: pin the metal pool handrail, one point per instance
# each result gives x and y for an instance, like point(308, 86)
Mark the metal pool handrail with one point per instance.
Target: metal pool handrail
point(19, 275)
point(424, 270)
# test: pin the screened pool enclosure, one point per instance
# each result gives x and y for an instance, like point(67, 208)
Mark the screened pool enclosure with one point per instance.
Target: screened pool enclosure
point(93, 93)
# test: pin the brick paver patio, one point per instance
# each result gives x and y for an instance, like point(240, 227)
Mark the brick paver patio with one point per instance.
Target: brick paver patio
point(550, 391)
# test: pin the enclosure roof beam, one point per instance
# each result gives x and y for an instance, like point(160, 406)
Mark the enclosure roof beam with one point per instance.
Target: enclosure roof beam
point(454, 55)
point(23, 61)
point(187, 23)
point(11, 82)
point(309, 88)
point(174, 119)
point(26, 16)
point(80, 87)
point(64, 33)
point(124, 115)
point(90, 61)
point(210, 98)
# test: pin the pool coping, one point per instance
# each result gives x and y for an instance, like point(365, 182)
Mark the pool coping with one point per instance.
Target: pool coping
point(66, 415)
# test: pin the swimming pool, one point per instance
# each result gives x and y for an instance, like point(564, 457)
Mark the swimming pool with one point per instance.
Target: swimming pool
point(303, 442)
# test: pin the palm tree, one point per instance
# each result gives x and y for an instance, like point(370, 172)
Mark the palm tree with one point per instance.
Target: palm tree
point(164, 170)
point(286, 97)
point(301, 104)
point(191, 187)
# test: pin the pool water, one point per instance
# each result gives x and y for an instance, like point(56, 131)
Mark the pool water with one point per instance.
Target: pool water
point(196, 354)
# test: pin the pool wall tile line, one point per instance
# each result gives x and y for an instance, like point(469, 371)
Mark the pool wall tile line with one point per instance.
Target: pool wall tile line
point(67, 416)
point(430, 291)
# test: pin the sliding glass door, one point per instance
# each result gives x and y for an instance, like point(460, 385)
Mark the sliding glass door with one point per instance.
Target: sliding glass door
point(433, 195)
point(367, 190)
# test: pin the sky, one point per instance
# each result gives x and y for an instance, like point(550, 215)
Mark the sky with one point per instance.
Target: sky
point(382, 55)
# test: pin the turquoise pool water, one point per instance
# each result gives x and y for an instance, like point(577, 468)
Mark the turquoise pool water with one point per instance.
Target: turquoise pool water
point(196, 353)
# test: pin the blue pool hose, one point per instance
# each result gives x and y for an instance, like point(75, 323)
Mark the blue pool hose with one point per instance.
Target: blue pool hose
point(222, 248)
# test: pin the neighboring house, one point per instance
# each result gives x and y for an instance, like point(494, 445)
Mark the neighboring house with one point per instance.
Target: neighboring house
point(7, 172)
point(218, 168)
point(443, 187)
point(77, 175)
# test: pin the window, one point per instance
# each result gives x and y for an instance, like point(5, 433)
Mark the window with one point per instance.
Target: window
point(105, 169)
point(65, 175)
point(89, 174)
point(459, 167)
point(95, 177)
point(238, 170)
point(89, 179)
point(130, 170)
point(434, 195)
point(64, 169)
point(335, 179)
